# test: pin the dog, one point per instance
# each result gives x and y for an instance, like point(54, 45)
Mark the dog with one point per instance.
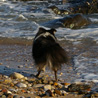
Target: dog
point(46, 51)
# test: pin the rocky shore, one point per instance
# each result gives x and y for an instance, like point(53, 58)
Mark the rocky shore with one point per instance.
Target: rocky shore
point(18, 86)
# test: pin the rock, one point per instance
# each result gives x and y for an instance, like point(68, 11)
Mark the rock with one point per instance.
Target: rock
point(96, 94)
point(4, 90)
point(58, 11)
point(47, 87)
point(6, 81)
point(60, 85)
point(1, 63)
point(66, 85)
point(10, 96)
point(21, 85)
point(80, 88)
point(55, 84)
point(16, 75)
point(49, 93)
point(69, 21)
point(58, 92)
point(50, 82)
point(13, 90)
point(22, 97)
point(64, 93)
point(9, 92)
point(83, 6)
point(3, 96)
point(38, 85)
point(16, 96)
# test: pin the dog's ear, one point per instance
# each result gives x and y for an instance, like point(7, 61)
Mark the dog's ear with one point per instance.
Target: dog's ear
point(41, 30)
point(53, 30)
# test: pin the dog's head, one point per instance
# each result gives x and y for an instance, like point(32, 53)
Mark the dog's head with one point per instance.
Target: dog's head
point(43, 32)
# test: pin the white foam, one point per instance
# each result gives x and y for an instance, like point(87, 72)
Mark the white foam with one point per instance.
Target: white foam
point(75, 35)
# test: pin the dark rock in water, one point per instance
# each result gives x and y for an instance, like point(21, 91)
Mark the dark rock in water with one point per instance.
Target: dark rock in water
point(75, 21)
point(80, 88)
point(58, 11)
point(77, 6)
point(83, 6)
point(71, 21)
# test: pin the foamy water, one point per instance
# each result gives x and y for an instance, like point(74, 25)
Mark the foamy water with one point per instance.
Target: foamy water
point(19, 19)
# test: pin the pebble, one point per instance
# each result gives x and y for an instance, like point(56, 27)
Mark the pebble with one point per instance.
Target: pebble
point(21, 85)
point(95, 94)
point(3, 96)
point(13, 87)
point(49, 93)
point(58, 92)
point(80, 88)
point(6, 81)
point(16, 75)
point(47, 87)
point(1, 63)
point(16, 96)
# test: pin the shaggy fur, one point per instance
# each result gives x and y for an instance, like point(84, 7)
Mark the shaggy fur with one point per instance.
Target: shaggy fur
point(47, 52)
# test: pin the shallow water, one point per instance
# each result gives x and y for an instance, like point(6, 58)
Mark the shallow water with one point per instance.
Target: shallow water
point(22, 20)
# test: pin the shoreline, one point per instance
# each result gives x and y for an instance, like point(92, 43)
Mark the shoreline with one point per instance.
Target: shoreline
point(18, 41)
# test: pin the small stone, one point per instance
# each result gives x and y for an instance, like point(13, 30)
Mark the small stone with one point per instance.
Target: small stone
point(10, 96)
point(3, 96)
point(9, 92)
point(16, 75)
point(55, 84)
point(96, 94)
point(38, 85)
point(20, 66)
point(21, 85)
point(1, 63)
point(16, 96)
point(6, 77)
point(4, 90)
point(64, 93)
point(60, 85)
point(23, 91)
point(49, 93)
point(22, 97)
point(1, 93)
point(58, 92)
point(80, 88)
point(29, 85)
point(66, 85)
point(47, 87)
point(6, 81)
point(13, 90)
point(50, 82)
point(12, 84)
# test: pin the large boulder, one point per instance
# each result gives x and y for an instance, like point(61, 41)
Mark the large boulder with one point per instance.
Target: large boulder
point(75, 21)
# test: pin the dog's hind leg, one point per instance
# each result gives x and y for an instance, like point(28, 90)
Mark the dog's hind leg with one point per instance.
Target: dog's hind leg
point(39, 70)
point(55, 73)
point(37, 75)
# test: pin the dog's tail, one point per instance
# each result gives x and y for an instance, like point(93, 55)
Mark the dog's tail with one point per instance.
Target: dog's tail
point(57, 56)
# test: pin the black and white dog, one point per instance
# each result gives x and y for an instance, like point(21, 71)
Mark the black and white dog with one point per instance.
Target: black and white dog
point(47, 52)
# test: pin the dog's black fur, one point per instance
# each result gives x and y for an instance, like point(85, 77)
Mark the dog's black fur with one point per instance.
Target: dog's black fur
point(47, 52)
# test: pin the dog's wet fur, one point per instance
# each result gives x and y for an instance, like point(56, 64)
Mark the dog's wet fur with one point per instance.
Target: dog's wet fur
point(46, 51)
